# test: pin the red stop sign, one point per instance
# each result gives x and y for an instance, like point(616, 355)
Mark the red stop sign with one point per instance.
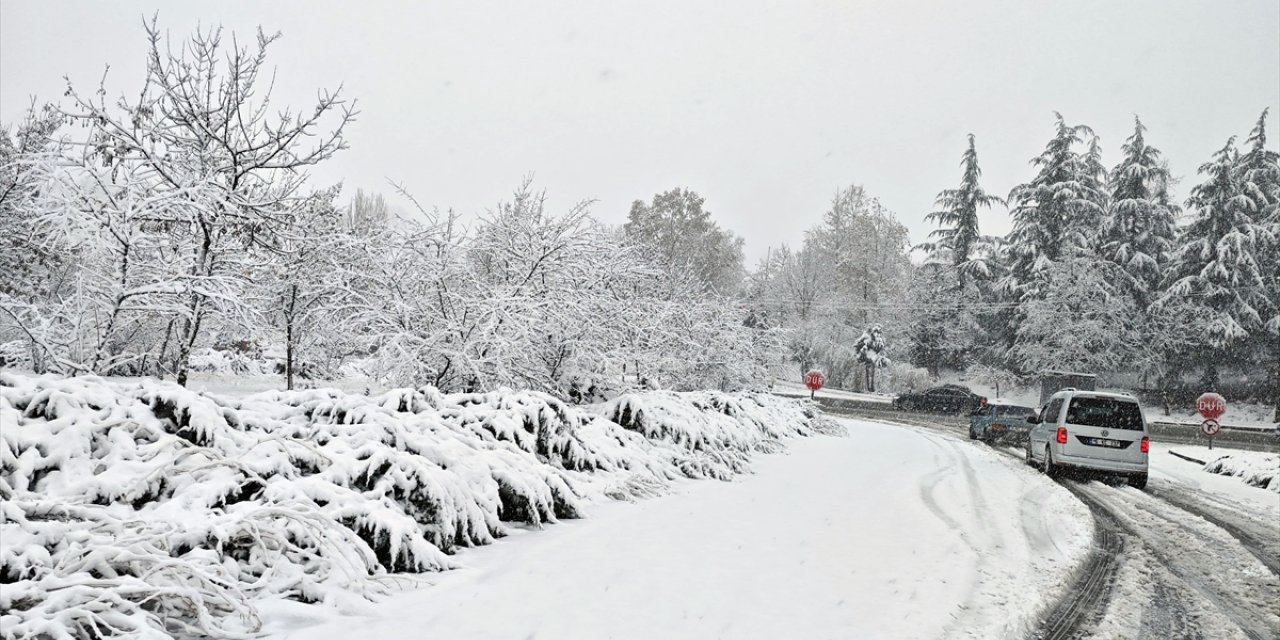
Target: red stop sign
point(1211, 406)
point(814, 380)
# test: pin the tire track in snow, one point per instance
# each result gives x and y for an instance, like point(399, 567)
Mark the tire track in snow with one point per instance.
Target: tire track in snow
point(978, 499)
point(1090, 591)
point(1170, 619)
point(1072, 616)
point(1250, 535)
point(1242, 595)
point(1095, 577)
point(992, 542)
point(1032, 520)
point(930, 484)
point(953, 457)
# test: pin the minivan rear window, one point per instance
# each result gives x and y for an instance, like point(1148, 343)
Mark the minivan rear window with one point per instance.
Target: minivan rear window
point(1110, 413)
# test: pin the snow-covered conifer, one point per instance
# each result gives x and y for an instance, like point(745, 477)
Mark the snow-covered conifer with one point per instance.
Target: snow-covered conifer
point(958, 241)
point(1056, 215)
point(1220, 264)
point(1139, 230)
point(1258, 170)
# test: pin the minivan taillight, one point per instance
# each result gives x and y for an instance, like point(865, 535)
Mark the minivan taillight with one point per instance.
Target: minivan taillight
point(1146, 444)
point(1062, 435)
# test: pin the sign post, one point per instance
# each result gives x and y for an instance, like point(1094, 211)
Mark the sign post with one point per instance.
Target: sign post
point(1210, 428)
point(1211, 406)
point(814, 380)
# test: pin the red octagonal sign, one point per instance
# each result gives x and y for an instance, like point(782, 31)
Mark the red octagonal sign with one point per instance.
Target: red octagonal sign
point(1211, 406)
point(814, 380)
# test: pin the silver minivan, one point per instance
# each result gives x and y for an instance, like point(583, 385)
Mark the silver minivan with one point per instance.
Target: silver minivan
point(1090, 430)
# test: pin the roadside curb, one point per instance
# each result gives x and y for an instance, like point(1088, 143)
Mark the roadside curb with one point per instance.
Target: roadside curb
point(1187, 458)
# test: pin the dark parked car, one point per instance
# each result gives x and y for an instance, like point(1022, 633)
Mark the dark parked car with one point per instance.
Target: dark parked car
point(948, 398)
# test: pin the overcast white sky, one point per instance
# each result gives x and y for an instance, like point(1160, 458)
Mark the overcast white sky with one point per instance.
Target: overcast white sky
point(764, 108)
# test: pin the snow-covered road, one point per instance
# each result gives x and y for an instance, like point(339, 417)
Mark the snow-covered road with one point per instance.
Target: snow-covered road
point(888, 533)
point(1194, 556)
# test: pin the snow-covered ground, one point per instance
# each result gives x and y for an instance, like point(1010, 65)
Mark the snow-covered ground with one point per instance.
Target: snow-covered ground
point(788, 388)
point(250, 383)
point(888, 533)
point(1194, 477)
point(1184, 576)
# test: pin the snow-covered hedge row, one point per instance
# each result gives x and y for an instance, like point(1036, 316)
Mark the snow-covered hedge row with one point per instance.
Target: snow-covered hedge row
point(145, 509)
point(1257, 469)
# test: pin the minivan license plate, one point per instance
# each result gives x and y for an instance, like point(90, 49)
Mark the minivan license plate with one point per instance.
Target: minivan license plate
point(1104, 442)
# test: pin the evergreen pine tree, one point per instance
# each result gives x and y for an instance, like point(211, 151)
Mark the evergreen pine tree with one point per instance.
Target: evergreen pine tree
point(1139, 231)
point(944, 331)
point(1258, 171)
point(958, 243)
point(1057, 213)
point(1218, 265)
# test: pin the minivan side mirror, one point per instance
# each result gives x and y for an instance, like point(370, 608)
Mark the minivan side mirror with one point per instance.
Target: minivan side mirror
point(1033, 419)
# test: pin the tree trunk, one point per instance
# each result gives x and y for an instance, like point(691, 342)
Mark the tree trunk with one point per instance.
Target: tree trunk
point(288, 356)
point(288, 337)
point(1275, 388)
point(195, 304)
point(164, 347)
point(190, 329)
point(116, 306)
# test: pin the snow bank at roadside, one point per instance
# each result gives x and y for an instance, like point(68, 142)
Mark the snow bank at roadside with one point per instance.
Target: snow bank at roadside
point(796, 389)
point(1240, 415)
point(1255, 468)
point(144, 509)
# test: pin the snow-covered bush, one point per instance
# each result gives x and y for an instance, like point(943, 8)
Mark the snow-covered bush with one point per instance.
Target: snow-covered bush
point(1256, 469)
point(14, 354)
point(145, 509)
point(715, 432)
point(229, 362)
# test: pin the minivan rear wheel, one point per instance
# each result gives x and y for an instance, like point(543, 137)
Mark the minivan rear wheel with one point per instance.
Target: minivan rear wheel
point(1137, 481)
point(1050, 469)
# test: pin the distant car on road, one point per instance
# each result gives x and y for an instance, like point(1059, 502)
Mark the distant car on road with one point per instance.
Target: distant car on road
point(948, 398)
point(1091, 430)
point(999, 422)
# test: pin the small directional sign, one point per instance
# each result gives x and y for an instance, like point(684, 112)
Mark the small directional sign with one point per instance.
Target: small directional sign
point(1210, 427)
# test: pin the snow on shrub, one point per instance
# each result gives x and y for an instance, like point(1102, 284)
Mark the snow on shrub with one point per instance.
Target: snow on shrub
point(1256, 469)
point(715, 433)
point(144, 509)
point(229, 362)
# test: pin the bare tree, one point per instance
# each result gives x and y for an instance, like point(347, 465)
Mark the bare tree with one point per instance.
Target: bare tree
point(226, 166)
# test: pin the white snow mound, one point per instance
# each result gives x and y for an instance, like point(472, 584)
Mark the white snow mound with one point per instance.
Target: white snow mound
point(1256, 469)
